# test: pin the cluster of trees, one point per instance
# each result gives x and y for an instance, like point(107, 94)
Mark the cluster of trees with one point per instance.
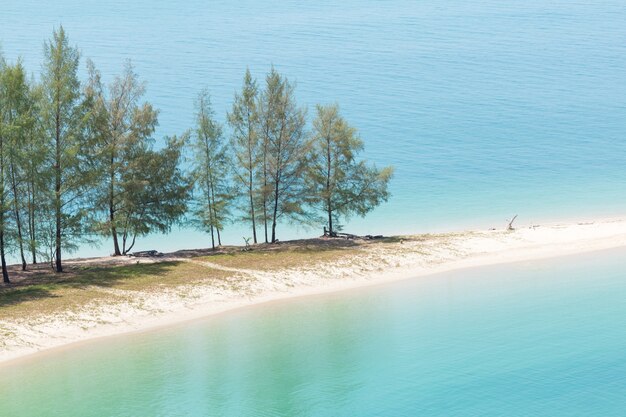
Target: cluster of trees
point(78, 161)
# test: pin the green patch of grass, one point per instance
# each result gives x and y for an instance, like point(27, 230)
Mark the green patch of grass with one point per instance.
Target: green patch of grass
point(144, 276)
point(270, 260)
point(78, 287)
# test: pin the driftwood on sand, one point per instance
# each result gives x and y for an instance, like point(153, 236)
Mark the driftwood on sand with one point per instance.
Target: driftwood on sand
point(510, 227)
point(146, 254)
point(327, 233)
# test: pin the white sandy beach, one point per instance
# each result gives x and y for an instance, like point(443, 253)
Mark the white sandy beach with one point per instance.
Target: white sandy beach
point(416, 256)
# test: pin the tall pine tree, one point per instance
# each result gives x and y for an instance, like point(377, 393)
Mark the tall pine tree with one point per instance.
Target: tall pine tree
point(64, 115)
point(243, 120)
point(211, 167)
point(339, 184)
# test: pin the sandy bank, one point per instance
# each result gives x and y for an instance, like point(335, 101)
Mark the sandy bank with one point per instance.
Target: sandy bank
point(393, 260)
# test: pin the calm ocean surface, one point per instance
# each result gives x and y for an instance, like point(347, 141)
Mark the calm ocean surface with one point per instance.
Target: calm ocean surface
point(531, 339)
point(486, 109)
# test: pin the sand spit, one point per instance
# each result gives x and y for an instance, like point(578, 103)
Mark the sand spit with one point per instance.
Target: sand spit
point(390, 260)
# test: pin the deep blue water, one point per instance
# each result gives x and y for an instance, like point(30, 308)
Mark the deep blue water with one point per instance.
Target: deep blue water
point(486, 109)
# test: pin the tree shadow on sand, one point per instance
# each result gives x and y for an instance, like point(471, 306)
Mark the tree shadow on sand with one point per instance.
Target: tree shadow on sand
point(36, 285)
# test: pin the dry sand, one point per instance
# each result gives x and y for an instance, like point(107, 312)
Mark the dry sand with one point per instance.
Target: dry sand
point(415, 256)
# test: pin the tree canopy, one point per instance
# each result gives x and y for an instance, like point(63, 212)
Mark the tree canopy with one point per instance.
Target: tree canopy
point(79, 161)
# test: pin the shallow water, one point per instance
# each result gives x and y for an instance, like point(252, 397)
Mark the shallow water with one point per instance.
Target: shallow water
point(528, 339)
point(486, 109)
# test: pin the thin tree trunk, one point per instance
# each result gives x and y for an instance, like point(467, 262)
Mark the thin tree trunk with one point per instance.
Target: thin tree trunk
point(31, 219)
point(330, 219)
point(277, 184)
point(328, 199)
point(57, 191)
point(5, 273)
point(279, 164)
point(212, 238)
point(208, 194)
point(219, 239)
point(209, 187)
point(264, 191)
point(250, 190)
point(124, 236)
point(132, 243)
point(252, 212)
point(116, 246)
point(17, 216)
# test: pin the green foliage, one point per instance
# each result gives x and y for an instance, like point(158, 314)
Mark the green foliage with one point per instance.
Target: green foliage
point(121, 131)
point(19, 121)
point(211, 165)
point(153, 192)
point(284, 147)
point(80, 161)
point(338, 183)
point(245, 144)
point(64, 118)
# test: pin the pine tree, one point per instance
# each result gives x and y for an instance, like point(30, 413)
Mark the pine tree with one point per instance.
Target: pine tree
point(210, 172)
point(338, 183)
point(122, 127)
point(284, 149)
point(36, 174)
point(4, 206)
point(154, 192)
point(19, 121)
point(64, 119)
point(243, 120)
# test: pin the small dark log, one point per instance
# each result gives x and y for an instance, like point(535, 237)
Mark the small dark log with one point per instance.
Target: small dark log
point(147, 254)
point(510, 227)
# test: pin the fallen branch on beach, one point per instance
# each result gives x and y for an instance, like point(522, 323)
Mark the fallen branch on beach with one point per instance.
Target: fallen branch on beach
point(146, 254)
point(350, 236)
point(510, 227)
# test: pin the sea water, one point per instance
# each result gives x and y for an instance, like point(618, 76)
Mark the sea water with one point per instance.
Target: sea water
point(529, 339)
point(486, 109)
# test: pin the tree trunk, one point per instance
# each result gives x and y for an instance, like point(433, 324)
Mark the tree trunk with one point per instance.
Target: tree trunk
point(209, 188)
point(16, 206)
point(328, 197)
point(5, 273)
point(57, 191)
point(265, 189)
point(250, 194)
point(132, 243)
point(275, 209)
point(125, 250)
point(265, 218)
point(219, 238)
point(252, 215)
point(330, 220)
point(116, 246)
point(208, 193)
point(31, 220)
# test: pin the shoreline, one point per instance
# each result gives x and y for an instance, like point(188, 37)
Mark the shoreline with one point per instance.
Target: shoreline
point(417, 256)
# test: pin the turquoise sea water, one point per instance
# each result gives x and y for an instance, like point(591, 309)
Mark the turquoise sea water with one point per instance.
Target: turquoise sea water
point(530, 339)
point(486, 109)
